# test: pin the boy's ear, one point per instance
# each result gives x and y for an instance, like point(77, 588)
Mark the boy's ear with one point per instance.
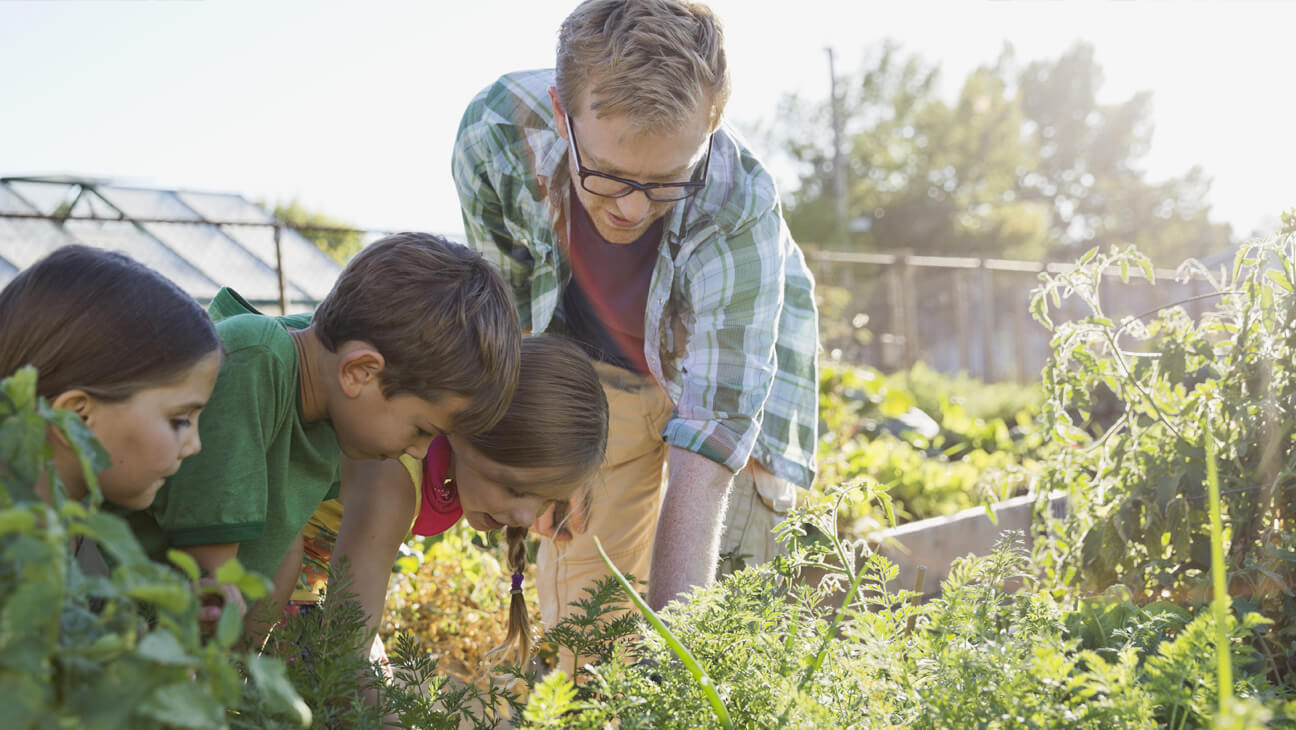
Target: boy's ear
point(358, 367)
point(79, 402)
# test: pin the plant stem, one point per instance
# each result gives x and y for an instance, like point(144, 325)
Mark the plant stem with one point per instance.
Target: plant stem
point(681, 651)
point(837, 619)
point(1221, 599)
point(1120, 359)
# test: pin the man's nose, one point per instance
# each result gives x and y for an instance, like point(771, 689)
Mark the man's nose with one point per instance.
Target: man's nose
point(634, 206)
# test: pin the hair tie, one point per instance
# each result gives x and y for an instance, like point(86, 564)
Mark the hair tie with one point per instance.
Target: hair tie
point(517, 584)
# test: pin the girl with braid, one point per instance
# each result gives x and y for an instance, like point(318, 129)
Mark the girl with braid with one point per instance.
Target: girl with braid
point(533, 469)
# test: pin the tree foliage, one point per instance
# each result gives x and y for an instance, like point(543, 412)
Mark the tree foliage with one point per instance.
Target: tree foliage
point(1023, 162)
point(339, 244)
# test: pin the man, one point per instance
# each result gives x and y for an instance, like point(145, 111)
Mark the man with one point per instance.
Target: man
point(628, 218)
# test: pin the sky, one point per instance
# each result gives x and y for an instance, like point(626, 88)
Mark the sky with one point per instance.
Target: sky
point(351, 108)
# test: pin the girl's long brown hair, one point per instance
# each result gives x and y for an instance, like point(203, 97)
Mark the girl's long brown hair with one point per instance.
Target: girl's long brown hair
point(101, 322)
point(558, 420)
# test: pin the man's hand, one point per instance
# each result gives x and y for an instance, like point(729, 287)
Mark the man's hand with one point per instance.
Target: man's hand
point(562, 520)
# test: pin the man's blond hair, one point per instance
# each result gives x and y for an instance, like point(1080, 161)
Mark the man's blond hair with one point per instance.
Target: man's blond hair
point(655, 61)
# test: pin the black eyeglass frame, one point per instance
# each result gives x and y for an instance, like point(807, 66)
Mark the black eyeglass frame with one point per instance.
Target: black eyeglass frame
point(691, 187)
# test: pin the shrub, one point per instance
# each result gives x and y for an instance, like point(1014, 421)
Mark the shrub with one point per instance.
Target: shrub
point(108, 651)
point(1138, 488)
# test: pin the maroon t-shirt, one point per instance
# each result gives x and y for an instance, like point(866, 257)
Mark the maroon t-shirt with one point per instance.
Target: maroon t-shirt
point(605, 301)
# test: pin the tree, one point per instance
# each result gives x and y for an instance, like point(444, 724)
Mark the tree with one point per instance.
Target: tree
point(339, 244)
point(1023, 163)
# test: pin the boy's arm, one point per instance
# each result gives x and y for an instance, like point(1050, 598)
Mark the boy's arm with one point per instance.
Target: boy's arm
point(379, 503)
point(211, 557)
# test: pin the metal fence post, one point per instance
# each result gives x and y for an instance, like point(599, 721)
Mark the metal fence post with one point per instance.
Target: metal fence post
point(283, 295)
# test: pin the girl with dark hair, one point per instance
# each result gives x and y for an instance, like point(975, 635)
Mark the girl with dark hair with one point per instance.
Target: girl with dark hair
point(126, 350)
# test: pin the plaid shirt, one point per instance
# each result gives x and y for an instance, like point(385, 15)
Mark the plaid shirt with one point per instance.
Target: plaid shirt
point(730, 329)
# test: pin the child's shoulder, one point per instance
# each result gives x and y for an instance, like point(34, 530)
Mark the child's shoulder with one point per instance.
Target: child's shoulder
point(241, 326)
point(245, 331)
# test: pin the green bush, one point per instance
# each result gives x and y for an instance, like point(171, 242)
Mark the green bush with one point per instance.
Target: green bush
point(117, 651)
point(939, 444)
point(782, 653)
point(1138, 487)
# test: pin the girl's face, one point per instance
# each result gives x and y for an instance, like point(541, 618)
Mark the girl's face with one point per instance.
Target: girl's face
point(150, 433)
point(494, 495)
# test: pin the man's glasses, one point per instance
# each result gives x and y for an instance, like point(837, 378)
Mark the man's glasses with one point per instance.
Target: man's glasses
point(611, 186)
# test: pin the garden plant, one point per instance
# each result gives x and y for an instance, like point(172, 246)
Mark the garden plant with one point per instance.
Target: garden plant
point(1162, 599)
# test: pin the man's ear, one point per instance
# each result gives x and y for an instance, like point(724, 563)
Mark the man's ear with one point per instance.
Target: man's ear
point(559, 115)
point(358, 367)
point(79, 402)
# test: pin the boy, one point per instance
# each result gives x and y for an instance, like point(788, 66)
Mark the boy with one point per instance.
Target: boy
point(417, 338)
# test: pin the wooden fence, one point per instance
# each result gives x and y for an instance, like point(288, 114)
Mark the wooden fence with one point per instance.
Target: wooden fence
point(958, 313)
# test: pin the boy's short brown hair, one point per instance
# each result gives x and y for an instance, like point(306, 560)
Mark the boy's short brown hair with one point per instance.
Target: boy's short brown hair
point(441, 316)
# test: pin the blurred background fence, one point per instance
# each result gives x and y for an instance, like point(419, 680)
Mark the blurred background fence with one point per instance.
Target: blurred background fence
point(958, 314)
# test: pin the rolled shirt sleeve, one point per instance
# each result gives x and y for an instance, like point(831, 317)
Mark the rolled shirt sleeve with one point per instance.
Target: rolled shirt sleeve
point(733, 288)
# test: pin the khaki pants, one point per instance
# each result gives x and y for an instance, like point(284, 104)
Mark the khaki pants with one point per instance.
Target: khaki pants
point(627, 499)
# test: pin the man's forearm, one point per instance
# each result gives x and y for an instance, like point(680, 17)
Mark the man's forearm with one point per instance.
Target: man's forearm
point(688, 530)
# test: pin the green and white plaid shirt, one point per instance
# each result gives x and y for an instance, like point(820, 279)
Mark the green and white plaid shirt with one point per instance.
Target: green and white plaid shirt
point(730, 329)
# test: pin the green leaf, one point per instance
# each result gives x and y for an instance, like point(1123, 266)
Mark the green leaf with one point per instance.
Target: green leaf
point(170, 596)
point(185, 562)
point(115, 538)
point(21, 389)
point(26, 611)
point(163, 647)
point(1237, 261)
point(276, 691)
point(1167, 487)
point(254, 586)
point(231, 572)
point(24, 700)
point(550, 700)
point(1279, 279)
point(1154, 528)
point(1124, 271)
point(896, 402)
point(17, 519)
point(228, 627)
point(184, 704)
point(1179, 526)
point(22, 447)
point(1148, 271)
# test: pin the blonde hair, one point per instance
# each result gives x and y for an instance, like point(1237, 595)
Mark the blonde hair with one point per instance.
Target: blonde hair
point(557, 420)
point(656, 61)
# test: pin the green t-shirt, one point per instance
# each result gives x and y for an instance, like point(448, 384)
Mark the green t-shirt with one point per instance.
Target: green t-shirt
point(262, 471)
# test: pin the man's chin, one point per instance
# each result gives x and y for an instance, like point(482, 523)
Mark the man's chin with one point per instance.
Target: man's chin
point(621, 236)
